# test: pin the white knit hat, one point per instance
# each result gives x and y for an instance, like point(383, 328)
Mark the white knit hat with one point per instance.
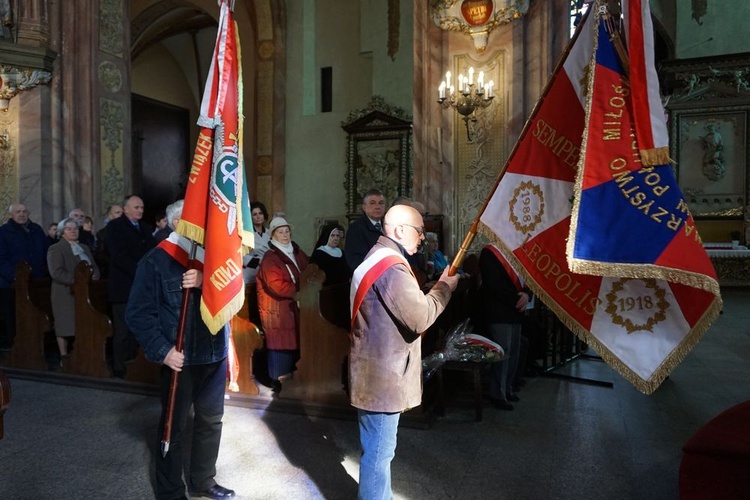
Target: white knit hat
point(278, 222)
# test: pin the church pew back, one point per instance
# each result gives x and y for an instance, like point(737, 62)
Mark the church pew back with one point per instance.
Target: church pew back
point(33, 319)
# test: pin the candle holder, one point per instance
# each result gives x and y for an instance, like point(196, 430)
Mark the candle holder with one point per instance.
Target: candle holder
point(467, 99)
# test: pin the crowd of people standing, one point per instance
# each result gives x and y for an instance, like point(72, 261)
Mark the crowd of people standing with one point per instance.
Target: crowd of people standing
point(399, 283)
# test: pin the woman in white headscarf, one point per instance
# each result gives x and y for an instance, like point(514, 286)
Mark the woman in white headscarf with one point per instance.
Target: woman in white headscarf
point(278, 282)
point(62, 259)
point(329, 257)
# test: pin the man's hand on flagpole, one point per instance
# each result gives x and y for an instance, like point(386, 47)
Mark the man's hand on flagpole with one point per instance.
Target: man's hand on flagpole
point(451, 281)
point(192, 278)
point(174, 359)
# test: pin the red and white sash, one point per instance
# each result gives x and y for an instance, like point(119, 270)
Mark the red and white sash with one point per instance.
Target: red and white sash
point(514, 277)
point(178, 247)
point(368, 273)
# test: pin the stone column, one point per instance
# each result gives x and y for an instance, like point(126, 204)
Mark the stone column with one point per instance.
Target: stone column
point(33, 23)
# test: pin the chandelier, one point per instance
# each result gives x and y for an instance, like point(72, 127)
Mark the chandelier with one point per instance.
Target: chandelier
point(470, 97)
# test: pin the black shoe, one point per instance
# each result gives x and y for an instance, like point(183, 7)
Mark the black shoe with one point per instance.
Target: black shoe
point(214, 491)
point(501, 404)
point(276, 387)
point(514, 398)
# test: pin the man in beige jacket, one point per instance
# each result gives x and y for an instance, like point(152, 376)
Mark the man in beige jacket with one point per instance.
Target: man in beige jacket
point(389, 313)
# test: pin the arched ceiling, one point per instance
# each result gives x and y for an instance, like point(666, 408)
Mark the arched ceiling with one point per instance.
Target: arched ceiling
point(164, 20)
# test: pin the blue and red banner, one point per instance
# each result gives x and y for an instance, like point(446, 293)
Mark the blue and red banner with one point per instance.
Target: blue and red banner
point(642, 322)
point(217, 207)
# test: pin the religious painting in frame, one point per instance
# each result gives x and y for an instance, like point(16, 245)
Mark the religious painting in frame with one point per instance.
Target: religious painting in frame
point(378, 154)
point(709, 146)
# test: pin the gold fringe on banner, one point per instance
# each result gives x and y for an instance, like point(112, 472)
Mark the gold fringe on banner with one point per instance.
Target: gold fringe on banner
point(247, 237)
point(645, 271)
point(191, 231)
point(215, 323)
point(655, 157)
point(621, 270)
point(646, 386)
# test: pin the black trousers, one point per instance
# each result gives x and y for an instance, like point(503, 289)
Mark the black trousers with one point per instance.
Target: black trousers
point(124, 345)
point(202, 387)
point(7, 317)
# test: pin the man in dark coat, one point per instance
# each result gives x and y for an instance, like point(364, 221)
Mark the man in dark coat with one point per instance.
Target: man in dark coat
point(128, 239)
point(503, 298)
point(153, 313)
point(100, 252)
point(365, 231)
point(20, 239)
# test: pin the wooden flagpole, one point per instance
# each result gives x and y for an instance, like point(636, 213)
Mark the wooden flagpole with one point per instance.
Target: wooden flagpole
point(167, 434)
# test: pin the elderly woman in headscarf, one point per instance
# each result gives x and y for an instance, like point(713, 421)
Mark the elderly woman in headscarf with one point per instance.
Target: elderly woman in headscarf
point(62, 259)
point(329, 257)
point(278, 281)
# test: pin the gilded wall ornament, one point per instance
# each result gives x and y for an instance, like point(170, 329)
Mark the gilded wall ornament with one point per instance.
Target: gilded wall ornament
point(112, 115)
point(394, 27)
point(377, 103)
point(110, 76)
point(477, 18)
point(8, 158)
point(265, 50)
point(264, 165)
point(111, 119)
point(111, 27)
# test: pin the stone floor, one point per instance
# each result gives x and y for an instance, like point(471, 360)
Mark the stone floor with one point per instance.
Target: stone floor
point(565, 440)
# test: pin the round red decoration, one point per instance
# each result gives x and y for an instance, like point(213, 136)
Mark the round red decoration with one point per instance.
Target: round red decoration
point(477, 12)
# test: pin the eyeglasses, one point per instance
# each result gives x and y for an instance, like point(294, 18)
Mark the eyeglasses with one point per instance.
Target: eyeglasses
point(419, 230)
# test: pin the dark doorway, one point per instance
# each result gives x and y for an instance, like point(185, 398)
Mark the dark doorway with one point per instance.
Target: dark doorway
point(161, 153)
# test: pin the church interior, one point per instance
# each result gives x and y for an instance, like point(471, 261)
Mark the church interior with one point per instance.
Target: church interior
point(100, 99)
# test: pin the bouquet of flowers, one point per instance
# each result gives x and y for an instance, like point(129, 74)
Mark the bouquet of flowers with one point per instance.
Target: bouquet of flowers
point(462, 345)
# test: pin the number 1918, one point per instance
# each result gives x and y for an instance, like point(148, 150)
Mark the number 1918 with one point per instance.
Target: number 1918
point(641, 303)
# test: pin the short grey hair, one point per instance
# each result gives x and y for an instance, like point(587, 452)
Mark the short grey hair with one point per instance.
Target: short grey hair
point(61, 225)
point(431, 236)
point(174, 211)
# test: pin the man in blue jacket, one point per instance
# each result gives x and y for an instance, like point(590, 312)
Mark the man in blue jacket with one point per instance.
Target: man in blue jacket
point(152, 314)
point(20, 239)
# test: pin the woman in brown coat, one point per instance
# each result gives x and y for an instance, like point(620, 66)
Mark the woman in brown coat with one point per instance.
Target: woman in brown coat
point(278, 282)
point(62, 259)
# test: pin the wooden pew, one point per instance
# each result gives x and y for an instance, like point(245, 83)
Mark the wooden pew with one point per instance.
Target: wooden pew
point(93, 326)
point(247, 339)
point(33, 319)
point(324, 341)
point(4, 398)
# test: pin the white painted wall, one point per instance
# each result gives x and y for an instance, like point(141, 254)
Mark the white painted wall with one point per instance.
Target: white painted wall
point(351, 37)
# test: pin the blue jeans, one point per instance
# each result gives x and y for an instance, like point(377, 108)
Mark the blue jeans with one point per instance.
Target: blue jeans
point(377, 434)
